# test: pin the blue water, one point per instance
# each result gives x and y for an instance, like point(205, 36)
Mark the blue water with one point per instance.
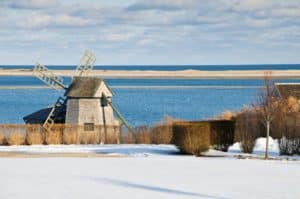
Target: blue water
point(33, 81)
point(172, 67)
point(140, 105)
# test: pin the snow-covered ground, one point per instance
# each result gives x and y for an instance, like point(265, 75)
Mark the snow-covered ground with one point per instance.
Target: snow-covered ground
point(124, 149)
point(147, 171)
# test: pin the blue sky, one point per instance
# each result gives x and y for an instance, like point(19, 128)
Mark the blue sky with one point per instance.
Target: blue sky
point(124, 32)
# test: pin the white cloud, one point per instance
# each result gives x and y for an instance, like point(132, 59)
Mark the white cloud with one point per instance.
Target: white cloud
point(117, 37)
point(162, 4)
point(286, 12)
point(258, 23)
point(38, 21)
point(33, 4)
point(250, 5)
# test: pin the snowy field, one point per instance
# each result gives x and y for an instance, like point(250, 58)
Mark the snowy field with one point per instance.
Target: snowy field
point(145, 171)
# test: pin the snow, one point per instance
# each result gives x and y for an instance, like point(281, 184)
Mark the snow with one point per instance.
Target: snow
point(160, 174)
point(235, 148)
point(125, 149)
point(259, 147)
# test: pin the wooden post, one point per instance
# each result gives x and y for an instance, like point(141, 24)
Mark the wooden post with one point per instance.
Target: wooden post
point(267, 140)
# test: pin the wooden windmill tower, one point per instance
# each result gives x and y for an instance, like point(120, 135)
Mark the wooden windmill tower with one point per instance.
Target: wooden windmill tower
point(87, 101)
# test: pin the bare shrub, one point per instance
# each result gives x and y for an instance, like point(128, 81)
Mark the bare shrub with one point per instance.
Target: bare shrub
point(191, 137)
point(286, 128)
point(286, 146)
point(247, 129)
point(221, 134)
point(16, 138)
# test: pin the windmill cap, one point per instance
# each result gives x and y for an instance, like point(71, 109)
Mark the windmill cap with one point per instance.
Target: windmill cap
point(88, 87)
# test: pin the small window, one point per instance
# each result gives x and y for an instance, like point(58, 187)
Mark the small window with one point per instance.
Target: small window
point(89, 126)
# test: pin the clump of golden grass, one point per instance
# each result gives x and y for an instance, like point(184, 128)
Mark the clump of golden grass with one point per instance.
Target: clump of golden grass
point(112, 136)
point(161, 134)
point(71, 134)
point(292, 104)
point(88, 138)
point(71, 137)
point(54, 137)
point(143, 135)
point(16, 138)
point(2, 139)
point(34, 134)
point(128, 138)
point(34, 138)
point(191, 138)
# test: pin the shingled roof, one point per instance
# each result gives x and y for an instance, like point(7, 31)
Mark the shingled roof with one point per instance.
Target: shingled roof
point(288, 89)
point(84, 87)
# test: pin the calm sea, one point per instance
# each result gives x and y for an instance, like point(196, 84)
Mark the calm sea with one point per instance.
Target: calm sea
point(174, 67)
point(145, 101)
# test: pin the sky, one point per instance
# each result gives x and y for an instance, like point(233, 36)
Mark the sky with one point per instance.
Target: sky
point(150, 32)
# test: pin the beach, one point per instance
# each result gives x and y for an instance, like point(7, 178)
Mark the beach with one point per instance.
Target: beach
point(151, 74)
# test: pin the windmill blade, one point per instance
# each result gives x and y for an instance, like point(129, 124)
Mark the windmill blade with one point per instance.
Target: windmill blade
point(86, 63)
point(49, 78)
point(58, 107)
point(119, 115)
point(121, 118)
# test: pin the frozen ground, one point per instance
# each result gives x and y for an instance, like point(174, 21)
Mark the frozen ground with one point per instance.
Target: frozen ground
point(147, 172)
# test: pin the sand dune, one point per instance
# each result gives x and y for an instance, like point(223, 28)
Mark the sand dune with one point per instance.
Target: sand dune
point(197, 74)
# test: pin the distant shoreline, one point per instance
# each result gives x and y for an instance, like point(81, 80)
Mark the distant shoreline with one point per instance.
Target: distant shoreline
point(184, 74)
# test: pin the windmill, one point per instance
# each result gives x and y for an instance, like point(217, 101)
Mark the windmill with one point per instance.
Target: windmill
point(86, 101)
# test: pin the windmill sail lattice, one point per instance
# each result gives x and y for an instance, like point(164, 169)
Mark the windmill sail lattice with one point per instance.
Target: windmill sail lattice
point(86, 63)
point(57, 108)
point(49, 78)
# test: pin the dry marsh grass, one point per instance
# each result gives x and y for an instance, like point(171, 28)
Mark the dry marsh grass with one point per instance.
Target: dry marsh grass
point(143, 135)
point(2, 139)
point(34, 138)
point(89, 137)
point(34, 135)
point(162, 134)
point(19, 134)
point(71, 137)
point(54, 137)
point(16, 138)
